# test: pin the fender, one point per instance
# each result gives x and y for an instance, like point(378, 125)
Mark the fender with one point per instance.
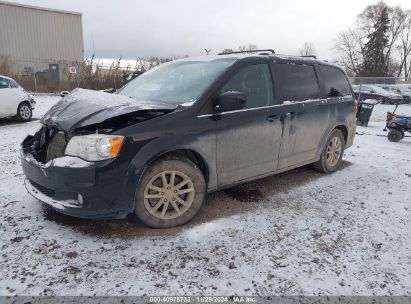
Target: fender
point(156, 148)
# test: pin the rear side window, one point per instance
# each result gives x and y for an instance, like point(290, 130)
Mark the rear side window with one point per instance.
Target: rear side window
point(298, 82)
point(4, 84)
point(335, 82)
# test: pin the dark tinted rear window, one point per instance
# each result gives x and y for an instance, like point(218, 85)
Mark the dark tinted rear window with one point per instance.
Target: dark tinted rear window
point(298, 82)
point(335, 82)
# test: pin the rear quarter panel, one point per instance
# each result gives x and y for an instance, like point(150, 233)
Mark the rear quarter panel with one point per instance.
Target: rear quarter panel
point(342, 115)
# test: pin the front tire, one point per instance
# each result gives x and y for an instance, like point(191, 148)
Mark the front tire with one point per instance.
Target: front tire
point(332, 153)
point(24, 112)
point(395, 135)
point(170, 193)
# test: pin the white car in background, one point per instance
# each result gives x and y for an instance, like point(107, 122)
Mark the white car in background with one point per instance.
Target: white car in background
point(14, 100)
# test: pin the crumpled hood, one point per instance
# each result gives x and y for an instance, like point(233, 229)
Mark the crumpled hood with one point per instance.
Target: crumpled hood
point(86, 107)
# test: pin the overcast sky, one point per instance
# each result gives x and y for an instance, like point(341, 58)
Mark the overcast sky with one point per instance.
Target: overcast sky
point(133, 28)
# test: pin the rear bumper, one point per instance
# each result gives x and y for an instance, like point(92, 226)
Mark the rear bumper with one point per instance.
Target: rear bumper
point(79, 188)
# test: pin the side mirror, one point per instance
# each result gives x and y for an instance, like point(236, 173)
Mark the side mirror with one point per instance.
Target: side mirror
point(64, 93)
point(230, 101)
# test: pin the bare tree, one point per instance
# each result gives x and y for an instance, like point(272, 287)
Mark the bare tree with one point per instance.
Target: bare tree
point(307, 49)
point(247, 48)
point(349, 46)
point(252, 47)
point(227, 51)
point(208, 51)
point(404, 48)
point(398, 20)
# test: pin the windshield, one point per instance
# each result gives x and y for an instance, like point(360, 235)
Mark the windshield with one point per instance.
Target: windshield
point(177, 82)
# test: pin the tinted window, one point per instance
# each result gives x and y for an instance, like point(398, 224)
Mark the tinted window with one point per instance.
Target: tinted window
point(335, 82)
point(255, 82)
point(4, 83)
point(298, 82)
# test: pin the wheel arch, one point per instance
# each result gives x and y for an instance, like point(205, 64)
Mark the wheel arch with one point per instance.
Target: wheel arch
point(23, 102)
point(344, 130)
point(188, 153)
point(336, 126)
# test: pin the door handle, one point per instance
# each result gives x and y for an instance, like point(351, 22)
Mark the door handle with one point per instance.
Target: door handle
point(272, 118)
point(290, 115)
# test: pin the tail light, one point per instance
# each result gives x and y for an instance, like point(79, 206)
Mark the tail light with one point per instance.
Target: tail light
point(355, 106)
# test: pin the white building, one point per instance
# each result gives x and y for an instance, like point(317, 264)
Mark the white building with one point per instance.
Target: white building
point(35, 39)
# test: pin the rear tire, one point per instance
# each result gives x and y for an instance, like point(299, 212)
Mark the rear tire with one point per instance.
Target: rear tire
point(395, 135)
point(24, 112)
point(170, 193)
point(332, 153)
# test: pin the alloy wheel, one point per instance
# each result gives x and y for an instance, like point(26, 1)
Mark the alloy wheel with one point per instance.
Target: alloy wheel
point(169, 194)
point(334, 150)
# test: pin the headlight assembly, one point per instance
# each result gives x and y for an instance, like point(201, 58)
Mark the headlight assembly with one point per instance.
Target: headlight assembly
point(94, 147)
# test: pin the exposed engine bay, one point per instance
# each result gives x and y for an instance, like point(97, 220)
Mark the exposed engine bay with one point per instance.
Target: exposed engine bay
point(50, 142)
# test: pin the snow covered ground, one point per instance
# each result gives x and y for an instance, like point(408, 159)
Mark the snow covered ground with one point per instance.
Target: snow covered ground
point(300, 232)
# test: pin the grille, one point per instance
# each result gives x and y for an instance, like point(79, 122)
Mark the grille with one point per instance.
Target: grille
point(56, 146)
point(42, 189)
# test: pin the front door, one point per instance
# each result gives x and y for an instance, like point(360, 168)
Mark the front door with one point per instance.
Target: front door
point(248, 140)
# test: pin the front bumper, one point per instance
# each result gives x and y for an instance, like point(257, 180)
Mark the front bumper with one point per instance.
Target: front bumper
point(79, 188)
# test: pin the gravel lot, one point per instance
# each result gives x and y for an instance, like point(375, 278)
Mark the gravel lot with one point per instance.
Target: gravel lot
point(299, 232)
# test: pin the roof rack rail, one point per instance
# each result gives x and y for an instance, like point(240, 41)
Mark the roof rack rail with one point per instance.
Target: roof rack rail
point(309, 56)
point(253, 51)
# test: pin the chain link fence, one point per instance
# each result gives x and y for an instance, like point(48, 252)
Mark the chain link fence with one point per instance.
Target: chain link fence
point(379, 80)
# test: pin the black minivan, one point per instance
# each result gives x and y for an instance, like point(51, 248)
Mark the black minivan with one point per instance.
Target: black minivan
point(184, 129)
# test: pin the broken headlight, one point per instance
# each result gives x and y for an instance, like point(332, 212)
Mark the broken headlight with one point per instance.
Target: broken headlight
point(94, 147)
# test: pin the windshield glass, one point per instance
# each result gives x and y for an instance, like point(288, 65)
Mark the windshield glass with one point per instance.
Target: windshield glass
point(177, 82)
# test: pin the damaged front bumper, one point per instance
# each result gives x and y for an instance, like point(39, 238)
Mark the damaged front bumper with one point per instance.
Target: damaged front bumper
point(78, 188)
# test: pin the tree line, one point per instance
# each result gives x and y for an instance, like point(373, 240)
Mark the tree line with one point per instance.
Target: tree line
point(378, 44)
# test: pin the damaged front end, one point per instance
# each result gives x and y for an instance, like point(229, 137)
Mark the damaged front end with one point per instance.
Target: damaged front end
point(50, 142)
point(46, 144)
point(74, 163)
